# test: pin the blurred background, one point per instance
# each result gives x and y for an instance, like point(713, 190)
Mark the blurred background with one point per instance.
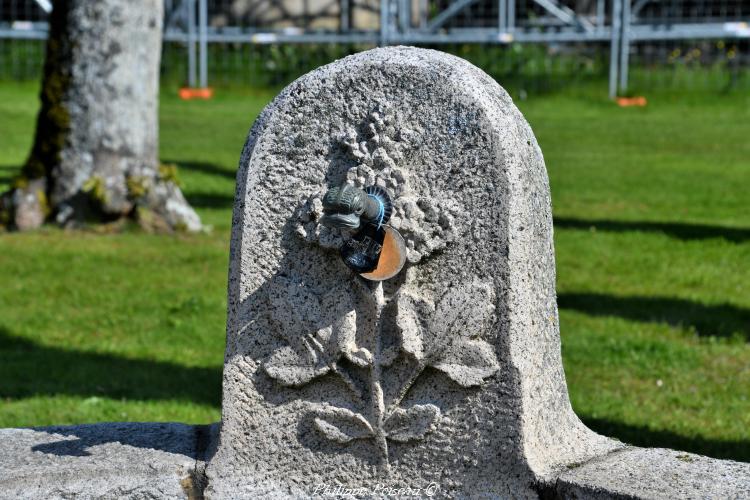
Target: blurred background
point(533, 46)
point(650, 198)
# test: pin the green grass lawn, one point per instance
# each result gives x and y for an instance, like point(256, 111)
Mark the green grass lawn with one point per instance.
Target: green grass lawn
point(652, 234)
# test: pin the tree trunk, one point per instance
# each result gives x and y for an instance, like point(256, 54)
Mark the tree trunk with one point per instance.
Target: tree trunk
point(95, 153)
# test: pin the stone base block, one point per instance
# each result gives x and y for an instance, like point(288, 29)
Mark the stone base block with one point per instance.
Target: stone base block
point(113, 460)
point(655, 473)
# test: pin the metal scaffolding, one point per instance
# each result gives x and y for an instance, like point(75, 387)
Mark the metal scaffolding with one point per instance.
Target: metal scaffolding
point(621, 24)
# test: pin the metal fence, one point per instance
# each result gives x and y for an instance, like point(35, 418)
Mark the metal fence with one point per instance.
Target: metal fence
point(271, 41)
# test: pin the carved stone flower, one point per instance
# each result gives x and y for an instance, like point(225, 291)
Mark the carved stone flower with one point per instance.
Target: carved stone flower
point(379, 151)
point(319, 327)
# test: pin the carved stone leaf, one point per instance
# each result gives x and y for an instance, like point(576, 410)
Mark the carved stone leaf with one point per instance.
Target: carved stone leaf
point(342, 425)
point(292, 369)
point(468, 362)
point(412, 423)
point(411, 313)
point(464, 310)
point(293, 307)
point(317, 330)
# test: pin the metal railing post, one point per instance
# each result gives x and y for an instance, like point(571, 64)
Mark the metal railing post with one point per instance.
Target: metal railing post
point(625, 46)
point(502, 15)
point(385, 14)
point(192, 77)
point(404, 15)
point(344, 15)
point(203, 43)
point(423, 5)
point(614, 47)
point(511, 20)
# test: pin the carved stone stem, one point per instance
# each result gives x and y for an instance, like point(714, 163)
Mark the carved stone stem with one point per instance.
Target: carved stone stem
point(350, 383)
point(418, 369)
point(378, 405)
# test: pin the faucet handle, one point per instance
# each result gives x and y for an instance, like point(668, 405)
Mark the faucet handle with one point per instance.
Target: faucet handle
point(345, 206)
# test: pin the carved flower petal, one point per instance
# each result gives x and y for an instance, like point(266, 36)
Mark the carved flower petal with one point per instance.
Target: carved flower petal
point(342, 425)
point(290, 369)
point(412, 423)
point(468, 362)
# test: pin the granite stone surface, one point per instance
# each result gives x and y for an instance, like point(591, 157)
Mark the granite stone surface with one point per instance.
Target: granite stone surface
point(114, 460)
point(447, 374)
point(656, 473)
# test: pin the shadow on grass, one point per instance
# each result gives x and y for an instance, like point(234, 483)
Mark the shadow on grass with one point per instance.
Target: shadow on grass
point(643, 436)
point(708, 320)
point(210, 200)
point(683, 231)
point(30, 369)
point(8, 173)
point(205, 168)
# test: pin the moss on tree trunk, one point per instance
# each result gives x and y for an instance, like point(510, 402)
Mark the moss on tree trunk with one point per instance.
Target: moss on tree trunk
point(53, 120)
point(94, 156)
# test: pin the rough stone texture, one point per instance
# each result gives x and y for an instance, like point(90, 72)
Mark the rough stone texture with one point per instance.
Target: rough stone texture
point(119, 460)
point(656, 473)
point(97, 133)
point(450, 372)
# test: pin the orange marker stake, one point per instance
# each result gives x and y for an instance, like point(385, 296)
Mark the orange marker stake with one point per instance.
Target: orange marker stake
point(626, 102)
point(188, 93)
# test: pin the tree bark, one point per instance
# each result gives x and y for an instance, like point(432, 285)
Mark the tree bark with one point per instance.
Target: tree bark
point(95, 152)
